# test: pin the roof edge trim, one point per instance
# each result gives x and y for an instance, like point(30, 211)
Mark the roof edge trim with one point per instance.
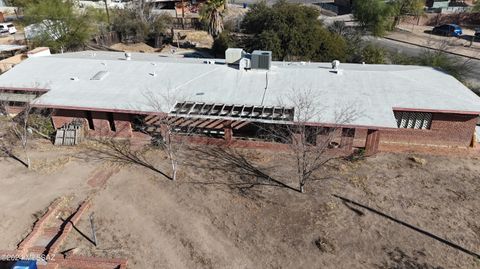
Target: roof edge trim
point(436, 111)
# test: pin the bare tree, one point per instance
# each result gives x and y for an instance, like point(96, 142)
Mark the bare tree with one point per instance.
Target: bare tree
point(168, 134)
point(309, 144)
point(17, 132)
point(159, 124)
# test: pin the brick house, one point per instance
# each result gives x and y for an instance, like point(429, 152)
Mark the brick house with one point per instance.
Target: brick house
point(107, 91)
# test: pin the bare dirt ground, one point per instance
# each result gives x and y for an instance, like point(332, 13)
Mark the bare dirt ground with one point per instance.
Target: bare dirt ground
point(205, 220)
point(136, 47)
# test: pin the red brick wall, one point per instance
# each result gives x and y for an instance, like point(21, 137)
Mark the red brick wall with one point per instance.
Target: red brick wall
point(14, 109)
point(100, 120)
point(101, 125)
point(123, 125)
point(61, 117)
point(360, 138)
point(446, 130)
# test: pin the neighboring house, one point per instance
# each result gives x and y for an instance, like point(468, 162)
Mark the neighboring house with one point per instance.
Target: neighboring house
point(345, 6)
point(447, 6)
point(432, 5)
point(437, 3)
point(108, 92)
point(46, 27)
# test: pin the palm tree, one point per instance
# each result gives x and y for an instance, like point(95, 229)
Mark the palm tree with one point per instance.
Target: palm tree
point(212, 14)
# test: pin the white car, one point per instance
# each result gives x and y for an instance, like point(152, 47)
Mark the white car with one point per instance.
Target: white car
point(7, 27)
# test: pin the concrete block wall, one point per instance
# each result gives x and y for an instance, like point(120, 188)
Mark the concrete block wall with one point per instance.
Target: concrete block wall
point(446, 130)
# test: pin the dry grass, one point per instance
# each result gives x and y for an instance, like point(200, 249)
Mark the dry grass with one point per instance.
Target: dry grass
point(48, 166)
point(201, 221)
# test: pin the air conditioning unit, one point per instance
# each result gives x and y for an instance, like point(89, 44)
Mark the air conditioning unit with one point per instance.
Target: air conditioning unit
point(234, 55)
point(261, 59)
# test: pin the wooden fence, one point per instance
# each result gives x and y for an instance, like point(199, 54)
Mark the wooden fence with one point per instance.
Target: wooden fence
point(70, 134)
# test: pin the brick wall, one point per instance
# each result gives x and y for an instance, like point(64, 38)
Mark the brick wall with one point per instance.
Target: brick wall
point(360, 138)
point(100, 120)
point(60, 117)
point(446, 130)
point(123, 125)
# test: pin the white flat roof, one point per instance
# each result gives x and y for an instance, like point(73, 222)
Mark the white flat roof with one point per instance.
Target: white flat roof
point(371, 90)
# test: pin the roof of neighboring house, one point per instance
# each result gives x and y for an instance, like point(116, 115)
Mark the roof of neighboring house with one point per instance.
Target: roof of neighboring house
point(8, 63)
point(372, 91)
point(7, 48)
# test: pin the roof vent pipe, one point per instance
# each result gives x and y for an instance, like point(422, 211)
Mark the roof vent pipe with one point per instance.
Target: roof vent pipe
point(128, 56)
point(335, 67)
point(335, 64)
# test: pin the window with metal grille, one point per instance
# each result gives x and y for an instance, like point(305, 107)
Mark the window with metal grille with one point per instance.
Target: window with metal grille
point(413, 120)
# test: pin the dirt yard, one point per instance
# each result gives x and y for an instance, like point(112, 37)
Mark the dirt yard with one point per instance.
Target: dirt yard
point(207, 220)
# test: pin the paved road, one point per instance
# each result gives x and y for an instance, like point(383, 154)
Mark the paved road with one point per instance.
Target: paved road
point(411, 50)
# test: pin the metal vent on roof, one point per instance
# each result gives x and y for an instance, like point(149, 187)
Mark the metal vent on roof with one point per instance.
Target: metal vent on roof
point(99, 75)
point(235, 111)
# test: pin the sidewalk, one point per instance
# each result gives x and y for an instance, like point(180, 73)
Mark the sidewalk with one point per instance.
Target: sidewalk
point(416, 35)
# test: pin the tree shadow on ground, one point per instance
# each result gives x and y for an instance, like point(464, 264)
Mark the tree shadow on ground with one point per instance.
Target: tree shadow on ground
point(246, 174)
point(119, 151)
point(5, 152)
point(398, 259)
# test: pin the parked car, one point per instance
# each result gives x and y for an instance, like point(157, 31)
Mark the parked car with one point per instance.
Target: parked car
point(447, 30)
point(7, 27)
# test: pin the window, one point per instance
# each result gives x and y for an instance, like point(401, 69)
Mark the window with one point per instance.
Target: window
point(413, 120)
